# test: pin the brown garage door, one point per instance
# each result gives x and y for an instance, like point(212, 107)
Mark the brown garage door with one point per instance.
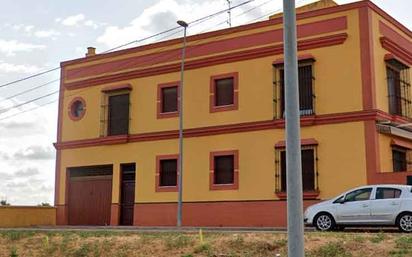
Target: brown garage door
point(90, 193)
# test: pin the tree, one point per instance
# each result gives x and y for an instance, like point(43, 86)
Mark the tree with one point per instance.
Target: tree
point(4, 203)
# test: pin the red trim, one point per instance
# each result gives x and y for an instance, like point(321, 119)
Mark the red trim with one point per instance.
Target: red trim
point(391, 34)
point(70, 108)
point(301, 32)
point(61, 214)
point(302, 57)
point(308, 195)
point(159, 188)
point(214, 47)
point(402, 143)
point(117, 88)
point(235, 185)
point(305, 142)
point(114, 214)
point(270, 213)
point(367, 58)
point(209, 61)
point(227, 129)
point(395, 49)
point(212, 103)
point(371, 151)
point(160, 114)
point(59, 140)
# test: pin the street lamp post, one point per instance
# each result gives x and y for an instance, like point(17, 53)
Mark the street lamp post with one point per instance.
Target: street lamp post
point(180, 161)
point(293, 150)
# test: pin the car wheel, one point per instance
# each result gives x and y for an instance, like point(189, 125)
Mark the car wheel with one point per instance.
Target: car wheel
point(405, 222)
point(324, 222)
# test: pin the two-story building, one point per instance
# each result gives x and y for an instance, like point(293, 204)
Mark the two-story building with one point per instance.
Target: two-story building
point(117, 144)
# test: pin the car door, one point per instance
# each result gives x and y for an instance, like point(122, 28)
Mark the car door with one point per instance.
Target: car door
point(385, 205)
point(355, 209)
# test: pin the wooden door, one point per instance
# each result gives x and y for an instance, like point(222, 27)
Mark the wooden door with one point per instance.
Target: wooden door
point(89, 200)
point(127, 202)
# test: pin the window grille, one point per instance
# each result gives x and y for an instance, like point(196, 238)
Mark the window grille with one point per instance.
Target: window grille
point(306, 89)
point(168, 172)
point(309, 169)
point(115, 114)
point(399, 89)
point(401, 159)
point(224, 92)
point(224, 169)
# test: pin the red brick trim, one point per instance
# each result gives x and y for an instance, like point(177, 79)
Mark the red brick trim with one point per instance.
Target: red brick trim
point(159, 188)
point(208, 61)
point(305, 142)
point(302, 57)
point(114, 214)
point(402, 143)
point(117, 88)
point(235, 185)
point(70, 108)
point(160, 114)
point(396, 50)
point(255, 213)
point(367, 58)
point(61, 214)
point(231, 128)
point(308, 195)
point(212, 103)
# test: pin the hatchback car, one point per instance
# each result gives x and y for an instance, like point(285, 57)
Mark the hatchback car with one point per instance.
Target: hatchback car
point(374, 205)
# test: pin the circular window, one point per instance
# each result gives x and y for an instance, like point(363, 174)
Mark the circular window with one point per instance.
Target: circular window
point(77, 109)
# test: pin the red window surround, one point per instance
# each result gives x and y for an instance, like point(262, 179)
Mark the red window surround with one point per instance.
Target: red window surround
point(234, 106)
point(307, 195)
point(235, 185)
point(158, 167)
point(160, 114)
point(70, 108)
point(114, 88)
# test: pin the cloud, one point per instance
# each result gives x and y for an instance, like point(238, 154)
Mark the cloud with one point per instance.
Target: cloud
point(164, 12)
point(18, 68)
point(35, 152)
point(92, 24)
point(46, 34)
point(28, 28)
point(11, 47)
point(73, 20)
point(28, 172)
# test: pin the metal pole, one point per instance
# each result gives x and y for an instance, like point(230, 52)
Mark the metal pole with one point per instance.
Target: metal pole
point(180, 161)
point(229, 12)
point(293, 150)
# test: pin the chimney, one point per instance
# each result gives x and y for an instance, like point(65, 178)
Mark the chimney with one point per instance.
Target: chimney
point(91, 51)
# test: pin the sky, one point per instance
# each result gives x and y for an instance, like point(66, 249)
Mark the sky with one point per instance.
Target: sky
point(37, 35)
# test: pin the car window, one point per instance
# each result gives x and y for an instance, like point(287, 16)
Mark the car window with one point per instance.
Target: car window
point(340, 199)
point(358, 195)
point(387, 193)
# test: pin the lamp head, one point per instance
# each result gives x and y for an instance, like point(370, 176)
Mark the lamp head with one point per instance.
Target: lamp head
point(182, 23)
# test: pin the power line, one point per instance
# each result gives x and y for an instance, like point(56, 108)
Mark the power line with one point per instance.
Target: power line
point(37, 107)
point(198, 21)
point(129, 43)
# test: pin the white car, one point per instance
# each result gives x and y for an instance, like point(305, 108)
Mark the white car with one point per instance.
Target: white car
point(373, 205)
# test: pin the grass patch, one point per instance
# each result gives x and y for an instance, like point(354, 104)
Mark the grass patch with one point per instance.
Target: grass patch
point(331, 249)
point(13, 252)
point(378, 238)
point(403, 247)
point(177, 242)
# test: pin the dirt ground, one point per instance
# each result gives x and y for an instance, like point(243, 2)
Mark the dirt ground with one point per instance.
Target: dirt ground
point(125, 244)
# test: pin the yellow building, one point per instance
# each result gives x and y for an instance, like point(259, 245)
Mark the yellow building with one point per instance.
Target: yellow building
point(117, 143)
